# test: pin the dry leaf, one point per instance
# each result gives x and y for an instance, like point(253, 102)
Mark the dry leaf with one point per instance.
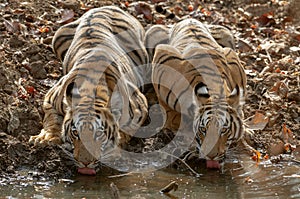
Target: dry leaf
point(289, 148)
point(85, 7)
point(251, 72)
point(12, 26)
point(272, 96)
point(287, 19)
point(66, 17)
point(266, 19)
point(256, 156)
point(258, 122)
point(244, 46)
point(266, 157)
point(190, 8)
point(280, 88)
point(145, 9)
point(287, 134)
point(206, 12)
point(70, 4)
point(294, 48)
point(276, 47)
point(297, 37)
point(44, 30)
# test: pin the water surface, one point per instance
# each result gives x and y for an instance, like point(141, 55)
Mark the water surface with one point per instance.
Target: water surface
point(242, 178)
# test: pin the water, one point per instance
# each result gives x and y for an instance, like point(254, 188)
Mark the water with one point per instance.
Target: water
point(243, 178)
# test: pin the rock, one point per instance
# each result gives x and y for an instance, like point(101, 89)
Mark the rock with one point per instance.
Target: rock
point(16, 42)
point(37, 70)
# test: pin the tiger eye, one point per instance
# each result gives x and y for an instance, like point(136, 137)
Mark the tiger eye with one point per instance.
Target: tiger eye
point(75, 133)
point(98, 134)
point(202, 129)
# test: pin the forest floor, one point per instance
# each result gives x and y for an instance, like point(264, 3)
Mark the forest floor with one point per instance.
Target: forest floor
point(267, 35)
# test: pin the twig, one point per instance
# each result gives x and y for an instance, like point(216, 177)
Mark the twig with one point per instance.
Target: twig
point(114, 191)
point(171, 186)
point(187, 155)
point(120, 175)
point(269, 57)
point(295, 161)
point(194, 172)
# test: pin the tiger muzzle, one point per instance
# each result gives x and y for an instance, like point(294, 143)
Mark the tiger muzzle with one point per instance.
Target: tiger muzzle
point(214, 144)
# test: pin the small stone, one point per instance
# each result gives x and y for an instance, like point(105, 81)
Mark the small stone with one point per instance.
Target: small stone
point(37, 70)
point(10, 169)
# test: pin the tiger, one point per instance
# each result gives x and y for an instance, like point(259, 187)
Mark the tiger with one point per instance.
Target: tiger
point(97, 105)
point(200, 85)
point(159, 33)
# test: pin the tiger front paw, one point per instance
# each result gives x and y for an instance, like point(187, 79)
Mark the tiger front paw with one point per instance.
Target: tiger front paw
point(45, 138)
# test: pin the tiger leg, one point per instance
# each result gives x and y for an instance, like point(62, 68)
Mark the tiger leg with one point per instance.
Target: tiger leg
point(172, 118)
point(134, 109)
point(245, 144)
point(53, 119)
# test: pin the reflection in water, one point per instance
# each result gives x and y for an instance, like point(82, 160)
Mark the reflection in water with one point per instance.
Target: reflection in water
point(242, 179)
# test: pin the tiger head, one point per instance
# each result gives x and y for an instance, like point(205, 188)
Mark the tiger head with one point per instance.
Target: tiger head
point(219, 120)
point(217, 125)
point(89, 131)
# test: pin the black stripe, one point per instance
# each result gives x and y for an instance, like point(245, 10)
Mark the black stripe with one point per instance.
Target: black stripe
point(178, 97)
point(64, 38)
point(169, 58)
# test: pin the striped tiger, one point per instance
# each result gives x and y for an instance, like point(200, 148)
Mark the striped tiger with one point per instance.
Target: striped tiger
point(160, 35)
point(97, 102)
point(200, 85)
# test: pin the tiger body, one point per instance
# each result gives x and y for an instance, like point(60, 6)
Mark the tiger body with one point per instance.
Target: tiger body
point(98, 100)
point(159, 34)
point(200, 85)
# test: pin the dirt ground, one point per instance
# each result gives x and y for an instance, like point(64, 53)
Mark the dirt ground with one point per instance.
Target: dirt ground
point(267, 37)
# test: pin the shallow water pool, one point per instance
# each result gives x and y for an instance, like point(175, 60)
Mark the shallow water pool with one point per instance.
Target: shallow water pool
point(242, 178)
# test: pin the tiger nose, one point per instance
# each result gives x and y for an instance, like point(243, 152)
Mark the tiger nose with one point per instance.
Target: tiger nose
point(85, 163)
point(212, 157)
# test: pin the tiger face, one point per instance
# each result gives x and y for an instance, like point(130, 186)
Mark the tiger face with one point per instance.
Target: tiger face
point(217, 124)
point(92, 137)
point(90, 130)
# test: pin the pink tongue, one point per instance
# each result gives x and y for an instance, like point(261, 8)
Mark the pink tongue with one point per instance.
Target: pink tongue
point(86, 171)
point(213, 164)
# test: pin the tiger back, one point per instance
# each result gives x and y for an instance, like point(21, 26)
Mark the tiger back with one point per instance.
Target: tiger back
point(201, 87)
point(97, 102)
